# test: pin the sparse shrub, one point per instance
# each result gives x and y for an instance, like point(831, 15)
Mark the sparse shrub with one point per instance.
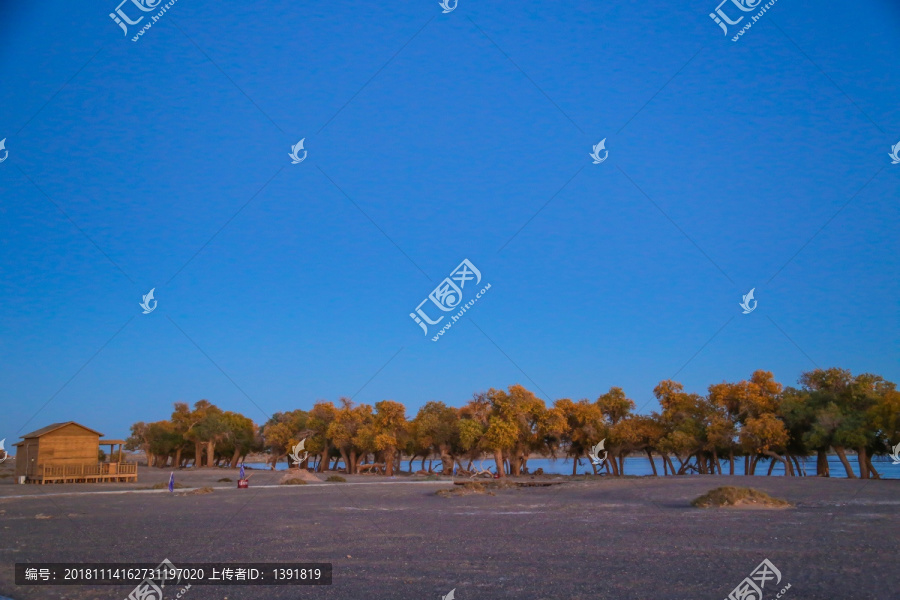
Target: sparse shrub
point(466, 489)
point(225, 480)
point(162, 485)
point(336, 479)
point(293, 481)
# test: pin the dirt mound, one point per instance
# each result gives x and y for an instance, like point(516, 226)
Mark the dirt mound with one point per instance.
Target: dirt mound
point(738, 497)
point(300, 475)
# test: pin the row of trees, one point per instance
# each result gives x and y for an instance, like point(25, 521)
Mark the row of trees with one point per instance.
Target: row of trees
point(755, 419)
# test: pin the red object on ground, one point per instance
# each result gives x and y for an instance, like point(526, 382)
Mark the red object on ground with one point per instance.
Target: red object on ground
point(496, 475)
point(243, 483)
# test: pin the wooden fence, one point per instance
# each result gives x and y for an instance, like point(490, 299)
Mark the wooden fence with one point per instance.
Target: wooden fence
point(98, 472)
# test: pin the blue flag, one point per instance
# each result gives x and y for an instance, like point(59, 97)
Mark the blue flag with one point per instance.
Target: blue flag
point(172, 482)
point(242, 471)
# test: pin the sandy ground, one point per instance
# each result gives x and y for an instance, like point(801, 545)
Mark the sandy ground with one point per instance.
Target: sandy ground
point(634, 538)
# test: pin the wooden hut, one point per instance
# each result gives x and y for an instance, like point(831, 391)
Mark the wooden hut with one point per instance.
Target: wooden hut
point(70, 452)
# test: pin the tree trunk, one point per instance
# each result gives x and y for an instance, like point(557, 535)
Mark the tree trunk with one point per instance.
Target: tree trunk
point(652, 464)
point(198, 454)
point(861, 457)
point(235, 458)
point(800, 471)
point(671, 465)
point(575, 466)
point(774, 457)
point(731, 461)
point(822, 464)
point(665, 466)
point(615, 466)
point(701, 463)
point(872, 472)
point(753, 462)
point(747, 465)
point(210, 453)
point(621, 464)
point(389, 462)
point(446, 460)
point(843, 456)
point(498, 460)
point(771, 466)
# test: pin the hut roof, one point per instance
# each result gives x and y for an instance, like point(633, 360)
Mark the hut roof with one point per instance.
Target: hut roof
point(54, 427)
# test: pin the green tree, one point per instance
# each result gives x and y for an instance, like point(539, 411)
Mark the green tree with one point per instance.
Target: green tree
point(684, 420)
point(391, 431)
point(239, 439)
point(616, 407)
point(282, 432)
point(584, 427)
point(321, 417)
point(436, 431)
point(344, 431)
point(846, 414)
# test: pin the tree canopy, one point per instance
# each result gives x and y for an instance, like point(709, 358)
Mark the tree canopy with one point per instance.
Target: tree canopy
point(831, 410)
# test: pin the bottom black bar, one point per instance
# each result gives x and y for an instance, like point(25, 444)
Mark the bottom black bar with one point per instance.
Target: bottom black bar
point(156, 576)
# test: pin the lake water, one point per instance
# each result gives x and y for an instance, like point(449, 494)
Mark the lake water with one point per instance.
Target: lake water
point(640, 465)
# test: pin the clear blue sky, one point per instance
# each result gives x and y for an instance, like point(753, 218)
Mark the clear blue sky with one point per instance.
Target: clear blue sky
point(139, 165)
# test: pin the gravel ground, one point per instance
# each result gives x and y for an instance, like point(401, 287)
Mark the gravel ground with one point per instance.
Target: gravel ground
point(635, 538)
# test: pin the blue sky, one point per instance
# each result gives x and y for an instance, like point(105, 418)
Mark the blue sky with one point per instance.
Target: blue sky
point(431, 138)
